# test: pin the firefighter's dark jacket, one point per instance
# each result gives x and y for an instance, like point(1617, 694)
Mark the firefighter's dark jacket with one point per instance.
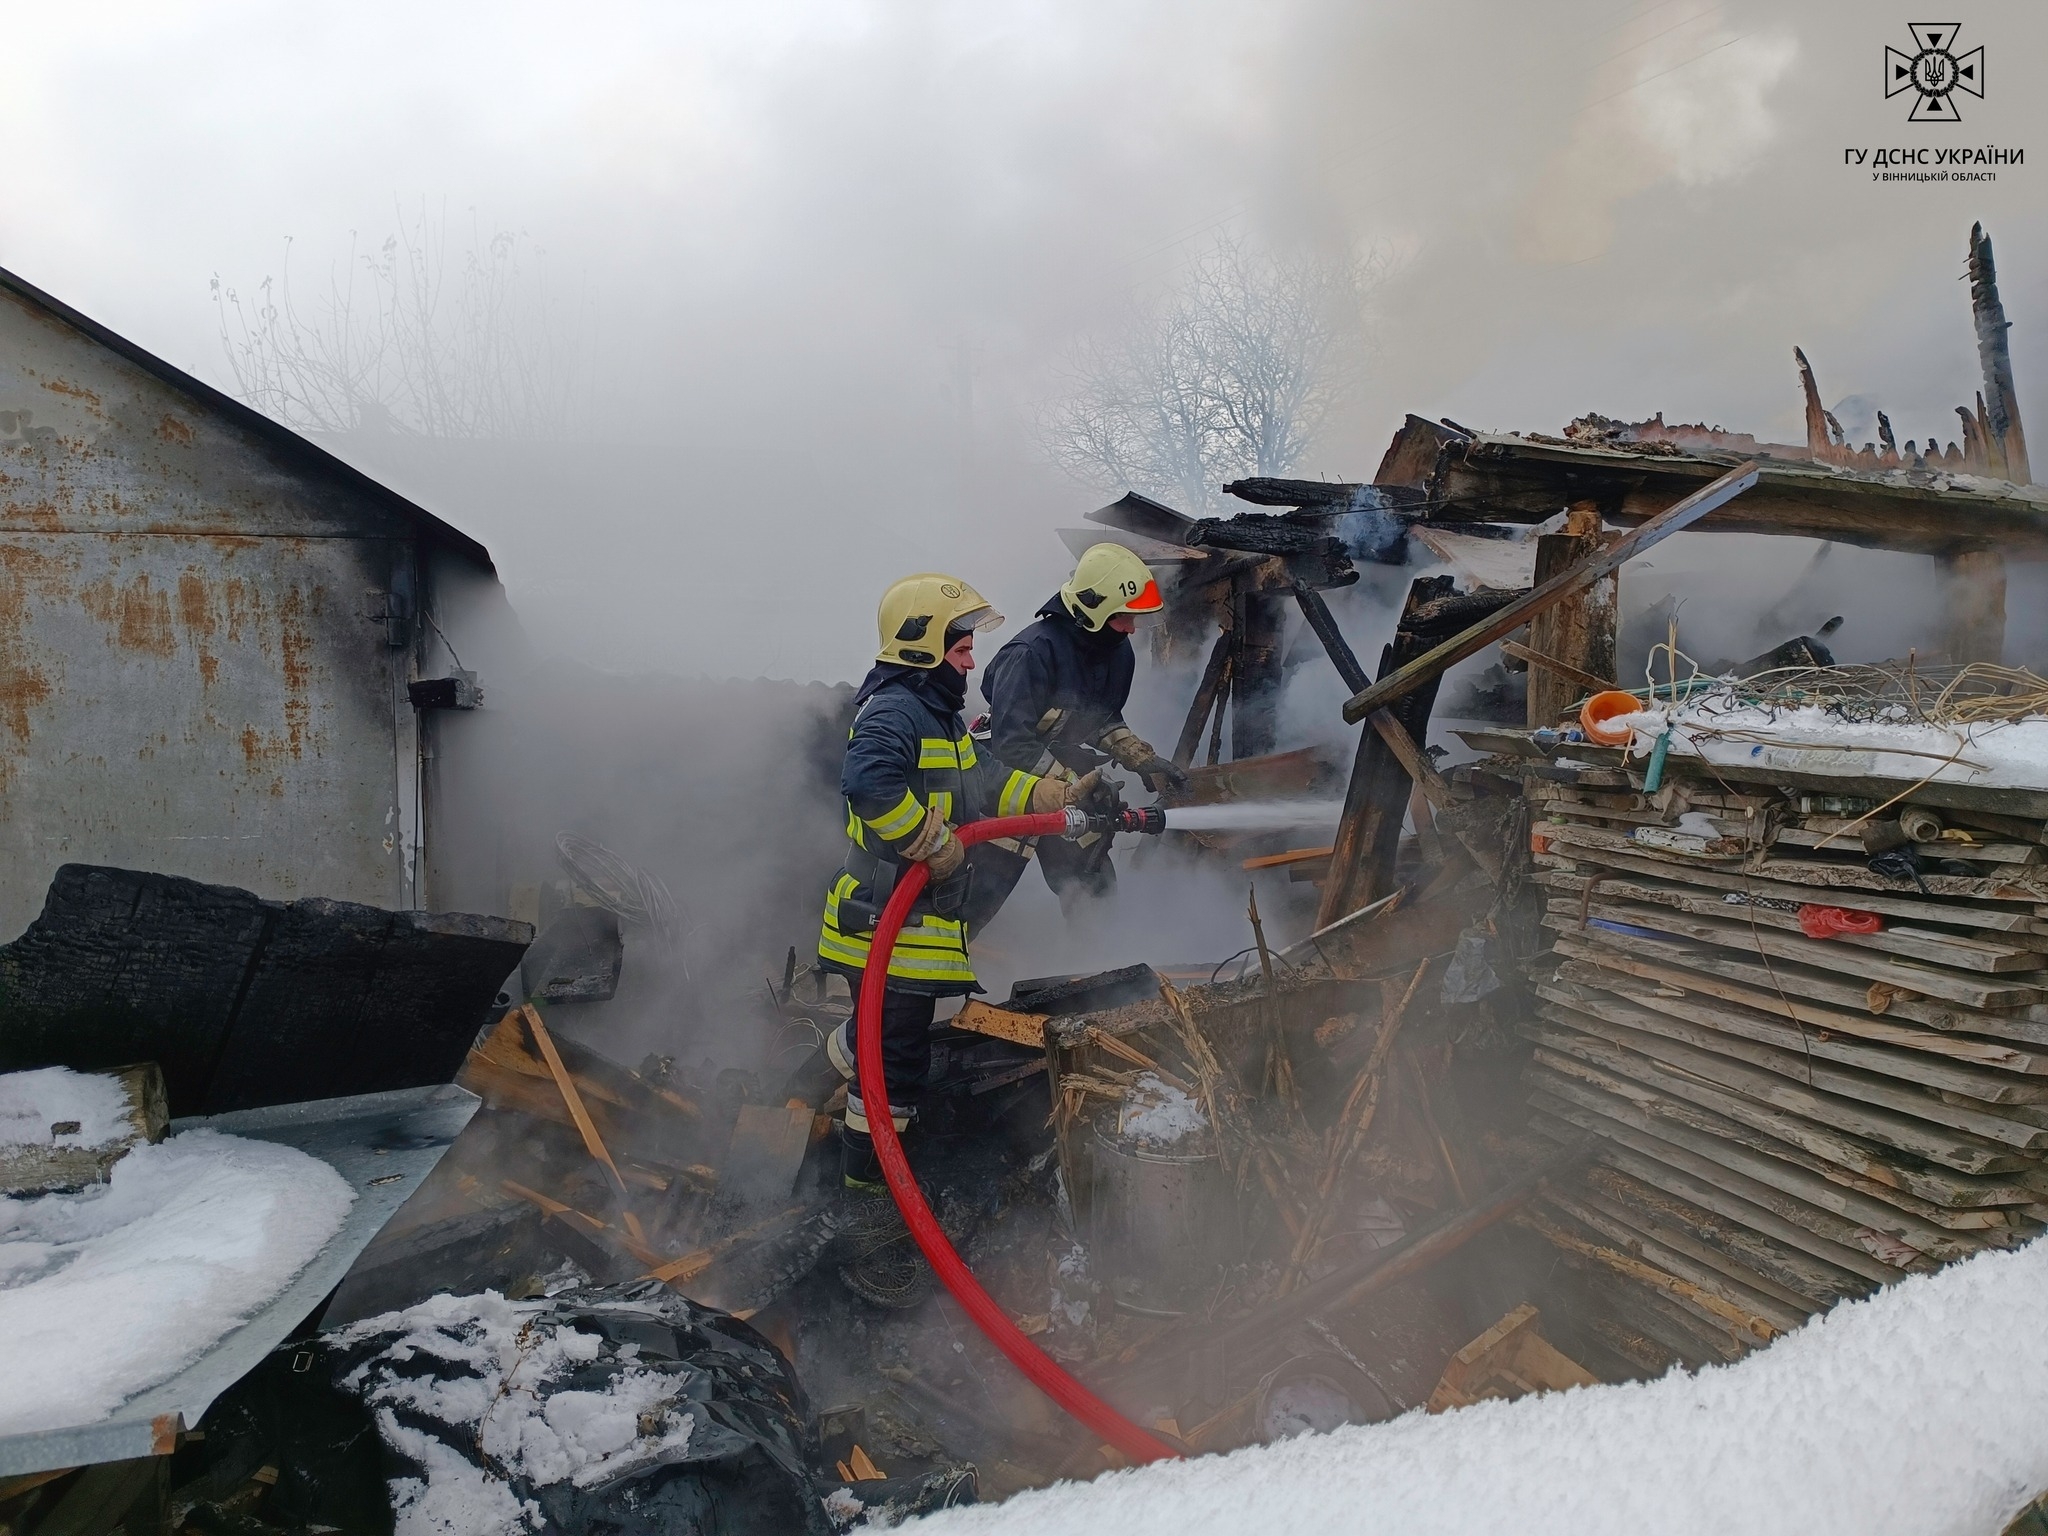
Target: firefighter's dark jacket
point(1056, 664)
point(909, 749)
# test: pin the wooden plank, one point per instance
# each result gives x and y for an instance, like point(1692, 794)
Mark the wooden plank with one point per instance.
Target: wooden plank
point(1958, 951)
point(1585, 681)
point(1973, 1035)
point(585, 1126)
point(1827, 876)
point(1819, 1283)
point(1662, 1107)
point(1782, 1086)
point(1589, 1107)
point(2017, 1127)
point(1637, 1314)
point(1784, 1309)
point(1647, 861)
point(1815, 1036)
point(1412, 758)
point(1742, 1325)
point(1001, 1023)
point(1291, 856)
point(1819, 1234)
point(1989, 853)
point(1822, 954)
point(1868, 1162)
point(679, 1272)
point(1576, 578)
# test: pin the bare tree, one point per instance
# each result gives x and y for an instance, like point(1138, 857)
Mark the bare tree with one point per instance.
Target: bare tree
point(1229, 372)
point(404, 341)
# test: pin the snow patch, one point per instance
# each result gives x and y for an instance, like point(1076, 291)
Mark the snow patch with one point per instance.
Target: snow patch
point(1157, 1114)
point(114, 1289)
point(32, 1102)
point(1913, 1412)
point(500, 1353)
point(2001, 754)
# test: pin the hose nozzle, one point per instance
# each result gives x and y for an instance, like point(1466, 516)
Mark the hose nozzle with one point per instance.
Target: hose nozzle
point(1148, 819)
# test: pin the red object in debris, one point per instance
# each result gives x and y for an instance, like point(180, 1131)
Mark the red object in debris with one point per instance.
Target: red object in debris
point(1539, 842)
point(1833, 922)
point(988, 1315)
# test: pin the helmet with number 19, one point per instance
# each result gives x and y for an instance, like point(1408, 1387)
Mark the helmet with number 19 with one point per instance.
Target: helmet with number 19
point(1108, 580)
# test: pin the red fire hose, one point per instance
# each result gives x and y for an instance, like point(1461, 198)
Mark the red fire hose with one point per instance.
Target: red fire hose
point(991, 1319)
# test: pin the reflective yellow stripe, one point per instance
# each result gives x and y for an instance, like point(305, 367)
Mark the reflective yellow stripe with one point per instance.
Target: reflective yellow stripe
point(901, 821)
point(967, 757)
point(931, 949)
point(857, 1116)
point(942, 801)
point(1015, 799)
point(937, 752)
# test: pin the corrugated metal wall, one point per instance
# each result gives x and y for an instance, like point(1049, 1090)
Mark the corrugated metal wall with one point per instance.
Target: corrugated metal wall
point(196, 672)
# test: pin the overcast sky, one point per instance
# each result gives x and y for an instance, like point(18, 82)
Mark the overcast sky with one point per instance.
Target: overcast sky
point(785, 228)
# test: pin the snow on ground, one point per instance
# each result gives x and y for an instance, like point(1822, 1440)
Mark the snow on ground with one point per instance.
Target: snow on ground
point(2001, 754)
point(121, 1286)
point(493, 1356)
point(32, 1102)
point(1918, 1412)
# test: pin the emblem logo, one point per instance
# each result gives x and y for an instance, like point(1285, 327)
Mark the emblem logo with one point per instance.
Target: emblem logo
point(948, 590)
point(1934, 73)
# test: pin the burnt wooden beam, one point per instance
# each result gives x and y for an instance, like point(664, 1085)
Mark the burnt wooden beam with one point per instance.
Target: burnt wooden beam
point(1369, 831)
point(1204, 704)
point(1545, 595)
point(1412, 757)
point(1255, 674)
point(1973, 606)
point(1817, 440)
point(1518, 480)
point(1994, 356)
point(1324, 623)
point(1586, 681)
point(1580, 631)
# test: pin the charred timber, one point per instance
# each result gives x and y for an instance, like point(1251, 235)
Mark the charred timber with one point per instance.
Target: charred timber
point(1325, 498)
point(1994, 355)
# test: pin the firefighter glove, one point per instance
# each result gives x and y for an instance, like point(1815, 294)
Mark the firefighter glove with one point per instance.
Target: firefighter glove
point(1132, 751)
point(1050, 794)
point(934, 844)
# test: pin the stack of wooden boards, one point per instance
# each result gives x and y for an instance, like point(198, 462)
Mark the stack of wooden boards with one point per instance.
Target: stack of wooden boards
point(1783, 1121)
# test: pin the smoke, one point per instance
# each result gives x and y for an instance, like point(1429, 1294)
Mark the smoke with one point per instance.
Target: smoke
point(824, 258)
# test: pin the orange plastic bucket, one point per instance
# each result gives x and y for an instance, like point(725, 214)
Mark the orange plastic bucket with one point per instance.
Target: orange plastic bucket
point(1597, 711)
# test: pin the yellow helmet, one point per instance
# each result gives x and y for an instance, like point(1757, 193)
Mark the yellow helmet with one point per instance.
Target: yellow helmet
point(1108, 580)
point(918, 610)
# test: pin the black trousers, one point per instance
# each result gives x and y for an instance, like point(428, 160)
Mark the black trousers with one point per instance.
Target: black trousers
point(906, 1046)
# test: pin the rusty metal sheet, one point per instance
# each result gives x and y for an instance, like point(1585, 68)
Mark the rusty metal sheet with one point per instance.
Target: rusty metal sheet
point(196, 672)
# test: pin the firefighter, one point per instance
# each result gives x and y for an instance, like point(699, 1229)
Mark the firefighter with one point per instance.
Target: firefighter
point(1056, 698)
point(911, 775)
